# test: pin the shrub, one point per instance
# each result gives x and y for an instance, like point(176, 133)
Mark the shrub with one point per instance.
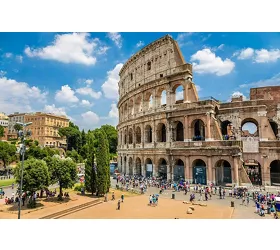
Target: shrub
point(78, 187)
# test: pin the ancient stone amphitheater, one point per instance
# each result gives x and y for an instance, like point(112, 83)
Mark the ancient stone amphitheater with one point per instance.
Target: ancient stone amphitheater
point(166, 131)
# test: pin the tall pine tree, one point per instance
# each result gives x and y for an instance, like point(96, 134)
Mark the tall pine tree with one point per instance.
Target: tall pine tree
point(102, 161)
point(90, 171)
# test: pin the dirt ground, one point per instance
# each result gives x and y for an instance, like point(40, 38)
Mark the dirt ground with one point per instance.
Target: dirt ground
point(134, 207)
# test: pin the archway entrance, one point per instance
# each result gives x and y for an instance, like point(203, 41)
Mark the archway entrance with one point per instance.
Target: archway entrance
point(253, 170)
point(275, 173)
point(149, 167)
point(162, 169)
point(179, 170)
point(138, 167)
point(223, 172)
point(199, 172)
point(130, 167)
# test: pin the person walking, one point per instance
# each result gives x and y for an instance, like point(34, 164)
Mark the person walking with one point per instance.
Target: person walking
point(119, 205)
point(122, 197)
point(248, 200)
point(113, 196)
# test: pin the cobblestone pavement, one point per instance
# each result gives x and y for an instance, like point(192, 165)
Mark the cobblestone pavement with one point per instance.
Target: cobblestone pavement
point(240, 211)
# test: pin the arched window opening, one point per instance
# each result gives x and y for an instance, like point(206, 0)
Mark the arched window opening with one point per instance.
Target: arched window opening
point(274, 127)
point(138, 105)
point(275, 173)
point(179, 171)
point(227, 130)
point(163, 98)
point(125, 137)
point(149, 66)
point(199, 130)
point(130, 136)
point(249, 128)
point(223, 172)
point(138, 135)
point(253, 170)
point(131, 107)
point(138, 167)
point(161, 132)
point(179, 93)
point(199, 172)
point(179, 132)
point(149, 167)
point(130, 167)
point(162, 169)
point(149, 134)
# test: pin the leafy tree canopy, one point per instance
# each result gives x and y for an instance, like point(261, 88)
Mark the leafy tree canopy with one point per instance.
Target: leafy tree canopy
point(7, 152)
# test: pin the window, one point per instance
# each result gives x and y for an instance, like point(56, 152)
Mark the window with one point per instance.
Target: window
point(149, 66)
point(161, 75)
point(131, 76)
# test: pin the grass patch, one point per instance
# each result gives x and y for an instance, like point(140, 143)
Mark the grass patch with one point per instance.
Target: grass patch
point(7, 182)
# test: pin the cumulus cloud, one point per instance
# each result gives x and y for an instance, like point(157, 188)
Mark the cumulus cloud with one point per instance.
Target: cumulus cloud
point(102, 50)
point(68, 48)
point(55, 110)
point(19, 96)
point(238, 94)
point(273, 81)
point(8, 55)
point(209, 63)
point(246, 54)
point(90, 118)
point(86, 103)
point(139, 44)
point(110, 86)
point(114, 113)
point(66, 95)
point(116, 38)
point(258, 56)
point(89, 91)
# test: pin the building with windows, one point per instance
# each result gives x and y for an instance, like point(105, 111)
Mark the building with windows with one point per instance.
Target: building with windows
point(166, 131)
point(45, 128)
point(13, 119)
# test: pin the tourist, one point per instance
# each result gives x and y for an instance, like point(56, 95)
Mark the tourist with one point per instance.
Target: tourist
point(248, 200)
point(150, 200)
point(119, 205)
point(113, 196)
point(122, 197)
point(224, 193)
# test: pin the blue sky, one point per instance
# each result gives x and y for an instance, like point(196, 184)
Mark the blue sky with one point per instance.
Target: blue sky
point(77, 73)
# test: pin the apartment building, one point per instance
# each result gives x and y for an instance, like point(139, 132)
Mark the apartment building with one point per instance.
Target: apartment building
point(13, 119)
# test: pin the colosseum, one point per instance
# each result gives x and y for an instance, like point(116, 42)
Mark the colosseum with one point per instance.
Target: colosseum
point(172, 134)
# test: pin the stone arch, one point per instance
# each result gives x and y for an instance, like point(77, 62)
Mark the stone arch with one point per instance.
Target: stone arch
point(249, 127)
point(198, 128)
point(223, 172)
point(130, 166)
point(130, 136)
point(225, 127)
point(162, 168)
point(138, 167)
point(161, 132)
point(254, 171)
point(199, 172)
point(179, 170)
point(131, 107)
point(148, 100)
point(138, 134)
point(178, 93)
point(148, 167)
point(138, 104)
point(274, 127)
point(148, 134)
point(161, 96)
point(179, 131)
point(275, 173)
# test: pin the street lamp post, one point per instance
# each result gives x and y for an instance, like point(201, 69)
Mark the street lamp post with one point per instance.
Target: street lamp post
point(22, 134)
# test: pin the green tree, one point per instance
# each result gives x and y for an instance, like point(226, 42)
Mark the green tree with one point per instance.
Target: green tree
point(90, 170)
point(102, 161)
point(73, 154)
point(17, 127)
point(73, 136)
point(83, 138)
point(2, 132)
point(35, 176)
point(63, 171)
point(40, 153)
point(7, 152)
point(112, 136)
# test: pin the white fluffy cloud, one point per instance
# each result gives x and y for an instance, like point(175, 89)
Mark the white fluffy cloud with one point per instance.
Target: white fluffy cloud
point(237, 94)
point(86, 103)
point(19, 59)
point(246, 54)
point(68, 48)
point(273, 81)
point(209, 63)
point(85, 81)
point(114, 113)
point(89, 91)
point(116, 38)
point(19, 96)
point(259, 56)
point(66, 95)
point(55, 110)
point(90, 118)
point(8, 55)
point(139, 44)
point(110, 86)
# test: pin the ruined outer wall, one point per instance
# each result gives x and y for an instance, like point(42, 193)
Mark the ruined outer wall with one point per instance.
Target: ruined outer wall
point(266, 93)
